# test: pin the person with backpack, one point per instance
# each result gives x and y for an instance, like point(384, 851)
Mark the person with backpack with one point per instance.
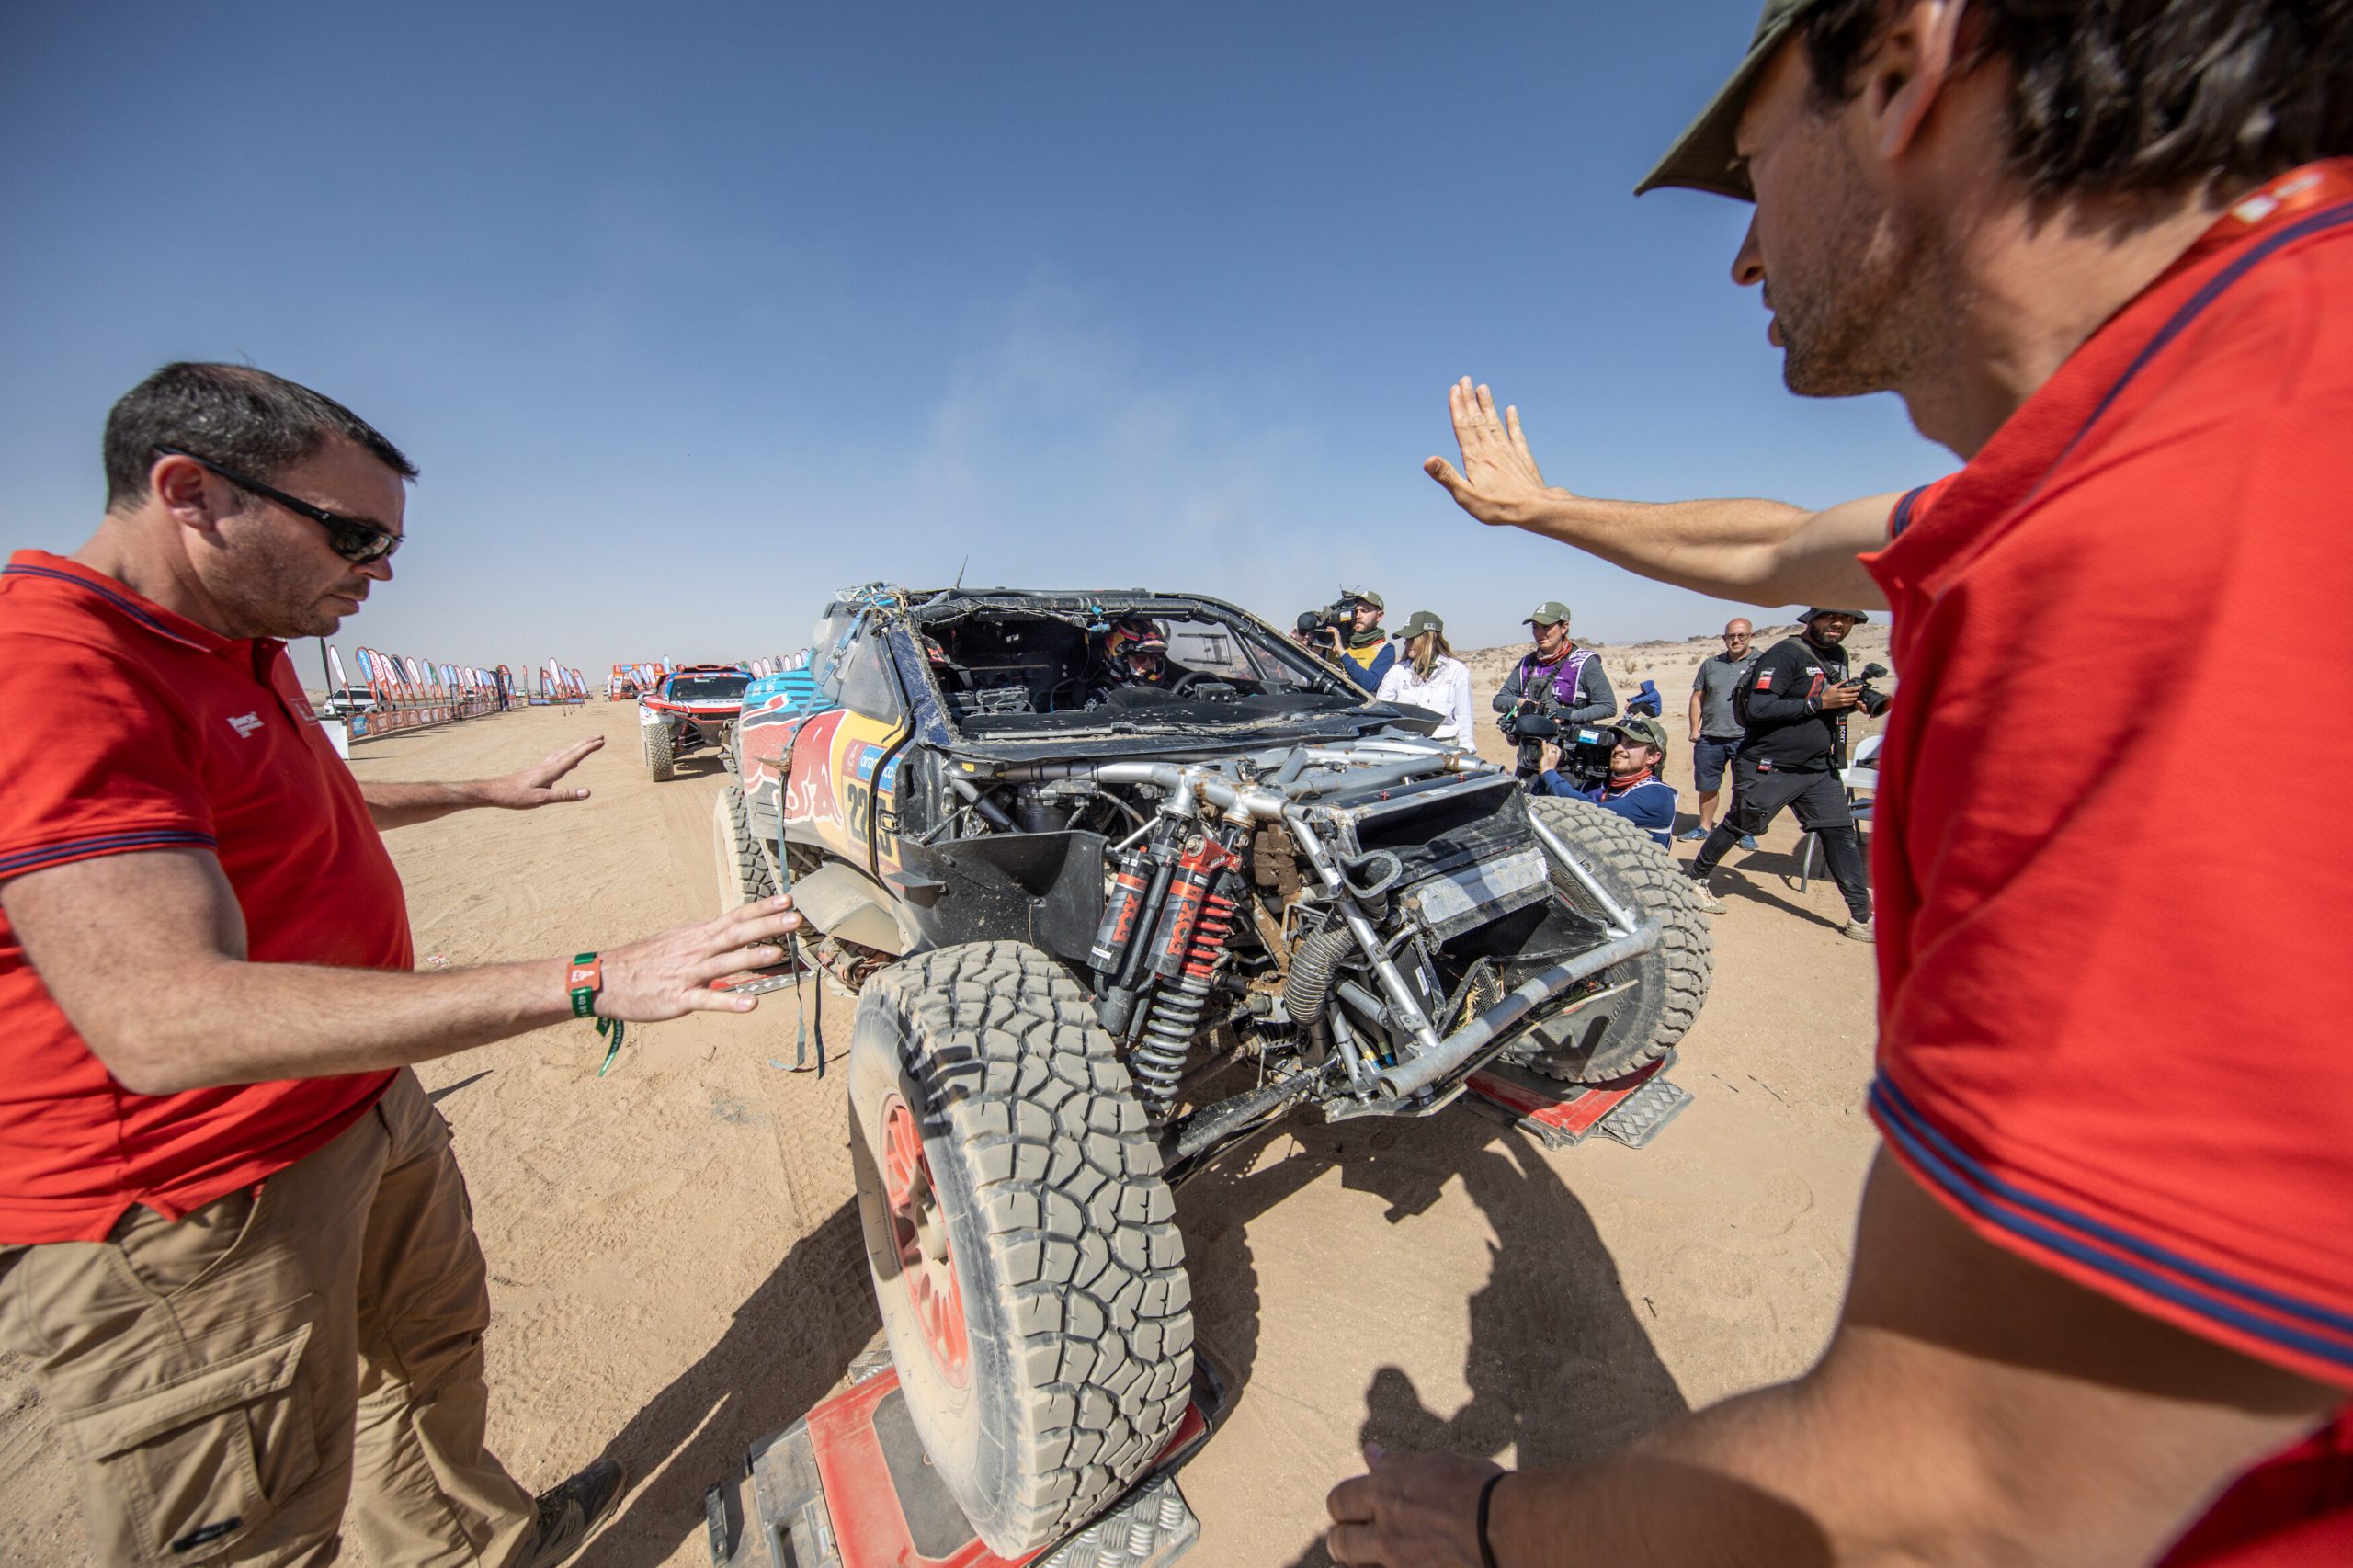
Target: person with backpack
point(1557, 680)
point(1792, 709)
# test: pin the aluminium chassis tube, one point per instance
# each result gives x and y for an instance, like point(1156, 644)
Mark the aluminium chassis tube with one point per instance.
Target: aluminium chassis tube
point(1621, 922)
point(1400, 997)
point(1427, 1067)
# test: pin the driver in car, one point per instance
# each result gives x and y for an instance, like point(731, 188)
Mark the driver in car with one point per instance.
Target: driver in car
point(1135, 652)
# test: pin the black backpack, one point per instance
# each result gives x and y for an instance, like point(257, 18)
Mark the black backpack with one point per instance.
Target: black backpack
point(1748, 683)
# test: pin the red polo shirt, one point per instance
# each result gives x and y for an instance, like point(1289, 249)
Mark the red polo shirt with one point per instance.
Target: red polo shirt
point(124, 728)
point(2115, 976)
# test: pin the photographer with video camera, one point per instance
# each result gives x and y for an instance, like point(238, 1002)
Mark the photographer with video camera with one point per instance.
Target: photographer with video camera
point(1347, 633)
point(1793, 710)
point(1634, 788)
point(1557, 680)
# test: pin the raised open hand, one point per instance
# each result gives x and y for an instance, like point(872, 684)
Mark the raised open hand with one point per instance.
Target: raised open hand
point(533, 786)
point(1499, 483)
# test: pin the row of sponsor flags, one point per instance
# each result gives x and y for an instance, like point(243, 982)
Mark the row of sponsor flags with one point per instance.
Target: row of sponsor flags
point(395, 692)
point(646, 676)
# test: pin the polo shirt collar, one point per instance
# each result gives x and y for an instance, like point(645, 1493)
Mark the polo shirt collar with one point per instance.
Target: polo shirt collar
point(119, 599)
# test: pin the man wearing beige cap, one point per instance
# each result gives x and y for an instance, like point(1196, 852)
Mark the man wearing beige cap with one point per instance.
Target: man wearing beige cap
point(2101, 1304)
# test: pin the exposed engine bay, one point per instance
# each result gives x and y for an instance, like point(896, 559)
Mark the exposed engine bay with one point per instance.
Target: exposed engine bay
point(1364, 923)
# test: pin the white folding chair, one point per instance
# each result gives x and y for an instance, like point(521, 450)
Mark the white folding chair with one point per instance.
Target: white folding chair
point(1860, 777)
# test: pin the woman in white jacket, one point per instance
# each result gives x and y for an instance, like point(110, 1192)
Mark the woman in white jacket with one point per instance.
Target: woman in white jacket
point(1430, 677)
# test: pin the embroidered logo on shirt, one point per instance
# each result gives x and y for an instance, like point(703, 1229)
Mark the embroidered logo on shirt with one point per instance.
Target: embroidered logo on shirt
point(246, 724)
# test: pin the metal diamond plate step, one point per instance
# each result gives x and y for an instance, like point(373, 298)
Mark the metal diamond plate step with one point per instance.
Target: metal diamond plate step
point(1640, 1115)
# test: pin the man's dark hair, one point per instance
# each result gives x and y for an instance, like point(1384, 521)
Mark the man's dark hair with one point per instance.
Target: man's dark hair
point(241, 418)
point(2138, 98)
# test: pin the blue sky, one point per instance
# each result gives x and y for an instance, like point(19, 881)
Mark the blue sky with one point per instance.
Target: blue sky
point(691, 313)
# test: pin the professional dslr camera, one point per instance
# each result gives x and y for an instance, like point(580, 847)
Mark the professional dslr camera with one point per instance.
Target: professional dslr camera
point(1873, 699)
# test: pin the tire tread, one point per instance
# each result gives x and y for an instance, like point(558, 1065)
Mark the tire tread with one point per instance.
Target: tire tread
point(1081, 1224)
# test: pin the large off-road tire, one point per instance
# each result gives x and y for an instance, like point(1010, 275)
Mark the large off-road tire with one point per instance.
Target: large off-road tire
point(1023, 1244)
point(745, 873)
point(1635, 1027)
point(661, 764)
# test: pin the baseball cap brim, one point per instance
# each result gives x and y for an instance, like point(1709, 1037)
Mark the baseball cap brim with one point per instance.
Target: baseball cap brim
point(1707, 155)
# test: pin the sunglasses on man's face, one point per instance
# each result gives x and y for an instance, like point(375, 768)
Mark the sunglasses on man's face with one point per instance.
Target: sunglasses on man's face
point(357, 539)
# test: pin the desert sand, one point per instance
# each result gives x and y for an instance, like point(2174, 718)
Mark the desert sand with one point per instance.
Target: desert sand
point(674, 1252)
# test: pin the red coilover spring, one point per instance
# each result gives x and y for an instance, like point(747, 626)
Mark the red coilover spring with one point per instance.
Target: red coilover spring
point(1209, 933)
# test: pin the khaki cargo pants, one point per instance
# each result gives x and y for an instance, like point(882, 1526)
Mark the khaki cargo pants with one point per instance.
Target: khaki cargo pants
point(226, 1384)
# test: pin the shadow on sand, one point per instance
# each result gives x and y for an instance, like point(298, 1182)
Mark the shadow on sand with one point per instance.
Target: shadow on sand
point(1559, 1364)
point(792, 1341)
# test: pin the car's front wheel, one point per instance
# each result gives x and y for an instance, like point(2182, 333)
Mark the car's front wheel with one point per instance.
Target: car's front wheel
point(1023, 1244)
point(1664, 989)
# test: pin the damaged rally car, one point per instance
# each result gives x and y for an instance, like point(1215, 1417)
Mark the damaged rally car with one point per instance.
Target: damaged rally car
point(1119, 880)
point(694, 706)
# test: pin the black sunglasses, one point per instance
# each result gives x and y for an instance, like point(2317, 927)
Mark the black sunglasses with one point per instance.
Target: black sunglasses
point(357, 539)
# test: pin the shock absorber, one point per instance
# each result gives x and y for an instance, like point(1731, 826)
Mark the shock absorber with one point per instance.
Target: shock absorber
point(1185, 945)
point(1121, 939)
point(1158, 1060)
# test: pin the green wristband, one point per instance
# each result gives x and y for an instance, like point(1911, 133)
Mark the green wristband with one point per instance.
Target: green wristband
point(587, 978)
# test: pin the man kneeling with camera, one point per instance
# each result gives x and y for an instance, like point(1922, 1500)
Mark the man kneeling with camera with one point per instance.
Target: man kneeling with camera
point(1630, 787)
point(1793, 711)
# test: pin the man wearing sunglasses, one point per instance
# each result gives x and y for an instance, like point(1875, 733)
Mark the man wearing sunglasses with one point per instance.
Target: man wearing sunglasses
point(232, 1235)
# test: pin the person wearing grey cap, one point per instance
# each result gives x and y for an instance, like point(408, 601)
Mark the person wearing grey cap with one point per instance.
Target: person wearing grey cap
point(2099, 1315)
point(1556, 680)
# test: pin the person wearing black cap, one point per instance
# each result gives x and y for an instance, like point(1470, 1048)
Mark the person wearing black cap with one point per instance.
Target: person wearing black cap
point(1793, 710)
point(2100, 1312)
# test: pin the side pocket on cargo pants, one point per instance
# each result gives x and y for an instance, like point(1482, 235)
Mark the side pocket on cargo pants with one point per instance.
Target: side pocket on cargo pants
point(192, 1464)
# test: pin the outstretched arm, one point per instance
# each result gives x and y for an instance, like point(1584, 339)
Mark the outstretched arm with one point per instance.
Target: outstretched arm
point(402, 805)
point(1760, 552)
point(1973, 1408)
point(203, 1014)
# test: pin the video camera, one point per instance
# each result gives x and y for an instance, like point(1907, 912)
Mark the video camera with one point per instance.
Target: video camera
point(1339, 615)
point(1585, 748)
